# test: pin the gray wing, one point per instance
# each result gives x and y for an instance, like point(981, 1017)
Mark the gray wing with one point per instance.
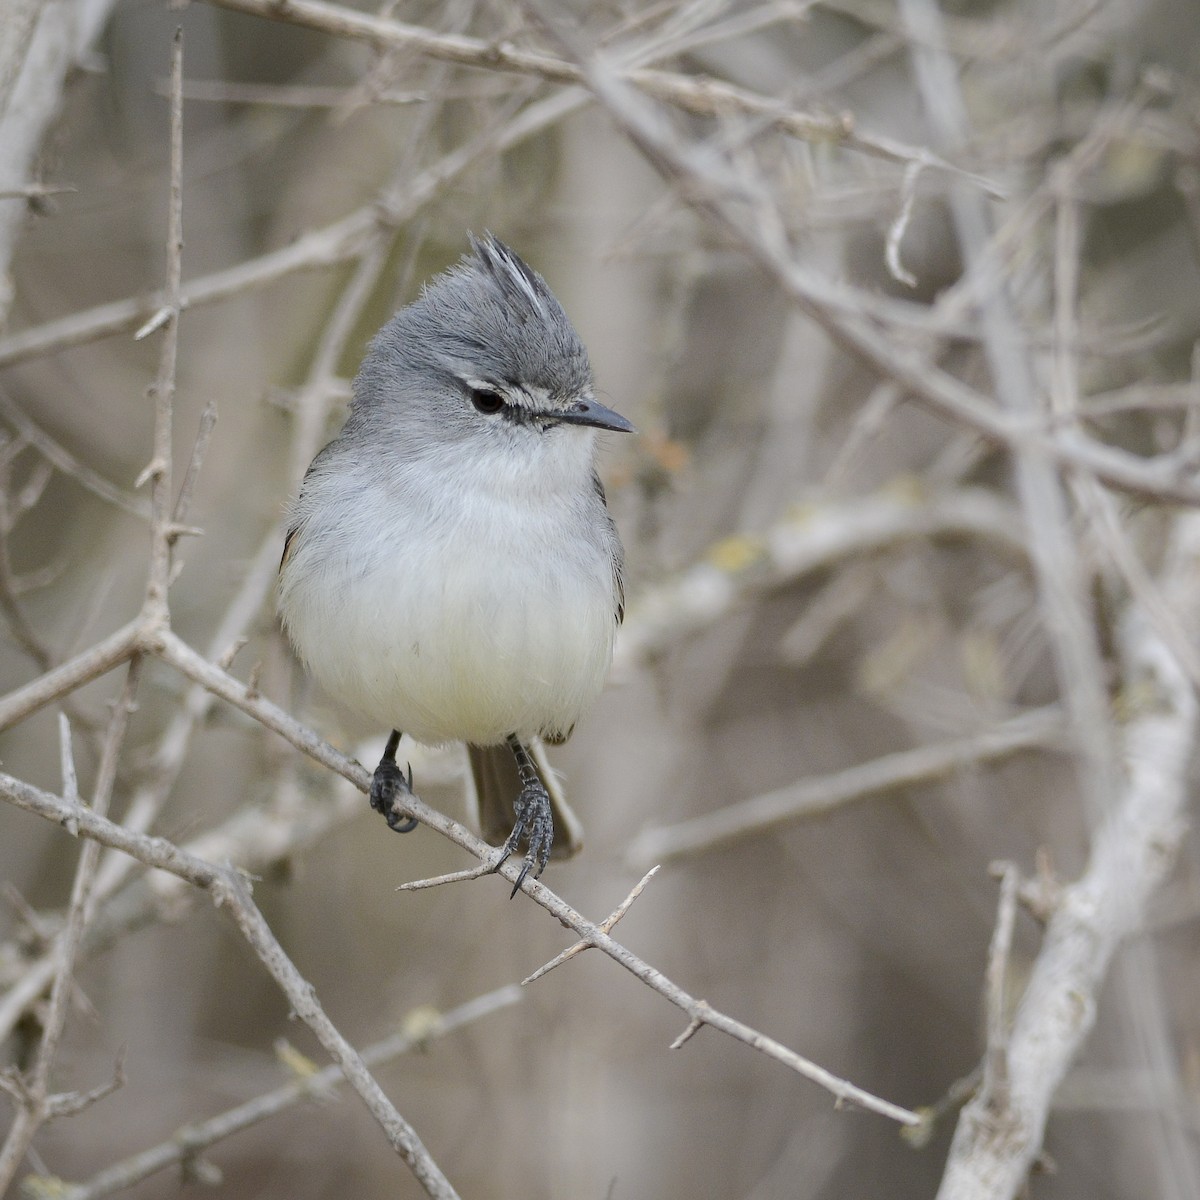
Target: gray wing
point(289, 538)
point(616, 551)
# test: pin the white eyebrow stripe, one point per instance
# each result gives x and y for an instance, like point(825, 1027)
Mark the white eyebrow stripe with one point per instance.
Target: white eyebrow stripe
point(534, 400)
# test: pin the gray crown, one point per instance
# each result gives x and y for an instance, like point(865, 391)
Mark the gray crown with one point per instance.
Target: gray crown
point(491, 317)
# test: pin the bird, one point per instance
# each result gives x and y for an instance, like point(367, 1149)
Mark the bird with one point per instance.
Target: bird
point(451, 569)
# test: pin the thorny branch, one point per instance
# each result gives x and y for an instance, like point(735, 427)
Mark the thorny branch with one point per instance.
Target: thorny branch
point(229, 891)
point(35, 1102)
point(160, 853)
point(188, 1145)
point(811, 798)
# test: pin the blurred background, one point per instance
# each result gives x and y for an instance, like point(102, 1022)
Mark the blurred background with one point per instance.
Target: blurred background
point(821, 573)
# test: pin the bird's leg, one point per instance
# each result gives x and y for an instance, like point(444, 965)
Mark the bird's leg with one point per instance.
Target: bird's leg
point(388, 783)
point(534, 821)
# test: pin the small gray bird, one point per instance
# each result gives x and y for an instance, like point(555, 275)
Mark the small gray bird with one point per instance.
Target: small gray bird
point(451, 568)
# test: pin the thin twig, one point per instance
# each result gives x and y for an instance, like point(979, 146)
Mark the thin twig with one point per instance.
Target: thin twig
point(995, 1070)
point(229, 892)
point(921, 766)
point(189, 1142)
point(37, 1102)
point(158, 471)
point(908, 196)
point(607, 925)
point(183, 502)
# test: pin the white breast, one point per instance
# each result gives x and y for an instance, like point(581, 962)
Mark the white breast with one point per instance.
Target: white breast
point(483, 614)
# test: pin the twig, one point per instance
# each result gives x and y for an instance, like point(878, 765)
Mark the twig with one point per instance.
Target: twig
point(37, 1104)
point(908, 196)
point(228, 891)
point(607, 925)
point(158, 471)
point(37, 191)
point(487, 867)
point(183, 502)
point(193, 1139)
point(920, 766)
point(995, 1070)
point(279, 95)
point(808, 539)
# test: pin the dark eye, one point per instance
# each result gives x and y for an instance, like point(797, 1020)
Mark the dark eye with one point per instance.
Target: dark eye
point(487, 400)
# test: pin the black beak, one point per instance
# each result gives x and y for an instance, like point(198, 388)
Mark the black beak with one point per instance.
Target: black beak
point(591, 412)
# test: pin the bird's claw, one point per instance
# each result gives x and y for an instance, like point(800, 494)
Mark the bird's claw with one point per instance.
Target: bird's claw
point(388, 785)
point(535, 825)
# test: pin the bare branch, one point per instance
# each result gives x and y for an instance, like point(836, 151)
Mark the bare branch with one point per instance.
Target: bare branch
point(37, 1104)
point(1132, 850)
point(176, 652)
point(228, 891)
point(607, 925)
point(90, 664)
point(699, 96)
point(810, 798)
point(193, 1139)
point(159, 470)
point(809, 539)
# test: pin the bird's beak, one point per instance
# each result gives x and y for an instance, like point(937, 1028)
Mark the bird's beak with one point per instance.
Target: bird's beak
point(592, 412)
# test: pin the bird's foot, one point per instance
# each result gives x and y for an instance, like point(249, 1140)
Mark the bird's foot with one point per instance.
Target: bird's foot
point(389, 785)
point(535, 825)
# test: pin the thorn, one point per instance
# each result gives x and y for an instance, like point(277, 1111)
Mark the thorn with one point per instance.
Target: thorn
point(226, 659)
point(153, 468)
point(694, 1026)
point(157, 321)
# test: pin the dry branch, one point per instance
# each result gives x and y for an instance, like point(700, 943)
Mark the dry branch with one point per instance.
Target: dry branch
point(35, 1102)
point(700, 96)
point(190, 1142)
point(228, 890)
point(997, 1139)
point(809, 798)
point(186, 660)
point(810, 538)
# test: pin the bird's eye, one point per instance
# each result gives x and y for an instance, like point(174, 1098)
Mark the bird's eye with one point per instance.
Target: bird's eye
point(487, 400)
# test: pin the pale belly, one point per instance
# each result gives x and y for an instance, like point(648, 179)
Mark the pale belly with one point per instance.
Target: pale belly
point(486, 636)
